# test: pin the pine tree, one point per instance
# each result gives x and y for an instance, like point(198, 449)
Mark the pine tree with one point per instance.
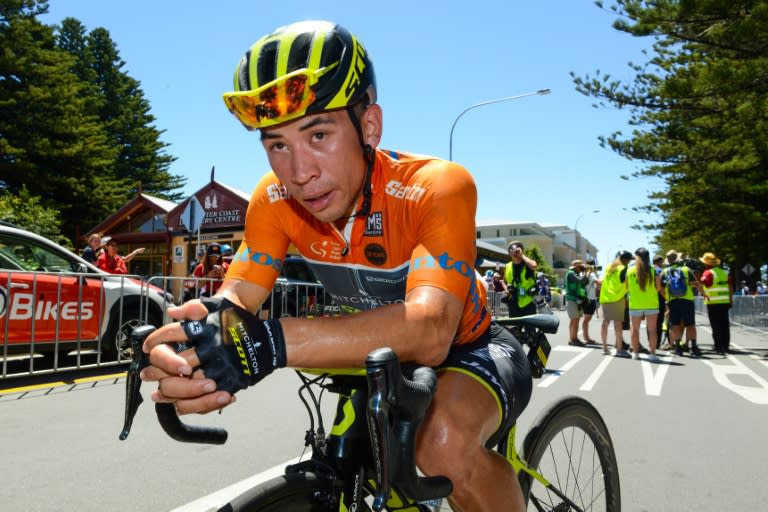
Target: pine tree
point(699, 108)
point(48, 139)
point(124, 110)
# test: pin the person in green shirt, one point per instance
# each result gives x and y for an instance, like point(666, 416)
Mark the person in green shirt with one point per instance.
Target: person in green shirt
point(576, 296)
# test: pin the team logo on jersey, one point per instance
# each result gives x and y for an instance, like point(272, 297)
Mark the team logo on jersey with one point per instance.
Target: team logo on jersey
point(376, 254)
point(408, 192)
point(276, 192)
point(374, 226)
point(327, 249)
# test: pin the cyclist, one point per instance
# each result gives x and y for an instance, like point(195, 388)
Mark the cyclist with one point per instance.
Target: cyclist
point(391, 235)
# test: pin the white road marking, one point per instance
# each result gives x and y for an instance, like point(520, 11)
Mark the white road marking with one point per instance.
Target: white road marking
point(592, 380)
point(654, 381)
point(581, 353)
point(216, 500)
point(755, 394)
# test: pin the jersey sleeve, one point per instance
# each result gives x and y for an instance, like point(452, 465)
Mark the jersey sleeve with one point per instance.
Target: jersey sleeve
point(265, 243)
point(444, 226)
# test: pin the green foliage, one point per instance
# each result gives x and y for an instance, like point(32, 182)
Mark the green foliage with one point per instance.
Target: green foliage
point(535, 254)
point(26, 211)
point(75, 130)
point(699, 112)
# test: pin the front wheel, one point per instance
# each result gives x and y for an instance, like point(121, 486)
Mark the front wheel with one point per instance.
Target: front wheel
point(295, 492)
point(569, 445)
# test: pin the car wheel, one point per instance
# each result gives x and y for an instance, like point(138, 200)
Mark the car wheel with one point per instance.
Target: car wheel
point(116, 345)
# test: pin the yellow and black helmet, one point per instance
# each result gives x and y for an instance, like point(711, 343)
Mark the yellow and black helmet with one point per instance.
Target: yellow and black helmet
point(300, 69)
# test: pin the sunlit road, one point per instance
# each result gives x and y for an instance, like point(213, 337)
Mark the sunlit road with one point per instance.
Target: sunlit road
point(689, 434)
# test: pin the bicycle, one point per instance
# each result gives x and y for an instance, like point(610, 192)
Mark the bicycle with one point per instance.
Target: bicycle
point(367, 461)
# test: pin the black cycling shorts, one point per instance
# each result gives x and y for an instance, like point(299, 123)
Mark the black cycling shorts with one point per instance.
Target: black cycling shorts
point(682, 311)
point(590, 306)
point(497, 360)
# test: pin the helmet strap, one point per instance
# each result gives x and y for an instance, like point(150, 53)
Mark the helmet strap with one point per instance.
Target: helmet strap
point(370, 157)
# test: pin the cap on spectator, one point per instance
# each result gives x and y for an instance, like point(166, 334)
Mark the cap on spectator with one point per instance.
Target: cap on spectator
point(226, 249)
point(577, 263)
point(213, 248)
point(515, 243)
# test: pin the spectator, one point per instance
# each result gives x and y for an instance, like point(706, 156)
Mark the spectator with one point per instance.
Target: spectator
point(679, 281)
point(497, 284)
point(745, 288)
point(590, 304)
point(643, 286)
point(576, 294)
point(519, 275)
point(93, 249)
point(658, 262)
point(613, 290)
point(226, 253)
point(110, 261)
point(718, 297)
point(543, 289)
point(762, 289)
point(488, 278)
point(212, 268)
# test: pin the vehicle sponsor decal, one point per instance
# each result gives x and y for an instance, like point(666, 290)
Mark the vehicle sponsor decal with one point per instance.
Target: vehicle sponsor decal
point(374, 225)
point(22, 306)
point(376, 254)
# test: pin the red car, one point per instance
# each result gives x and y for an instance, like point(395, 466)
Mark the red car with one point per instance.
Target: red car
point(54, 301)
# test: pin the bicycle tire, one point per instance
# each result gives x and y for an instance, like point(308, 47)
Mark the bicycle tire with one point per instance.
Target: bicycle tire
point(569, 427)
point(295, 492)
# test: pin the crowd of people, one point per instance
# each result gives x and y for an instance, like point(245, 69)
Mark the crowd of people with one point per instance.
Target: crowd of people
point(103, 252)
point(659, 291)
point(209, 269)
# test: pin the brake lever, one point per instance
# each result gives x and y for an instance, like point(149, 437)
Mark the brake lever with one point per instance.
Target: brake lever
point(133, 398)
point(166, 413)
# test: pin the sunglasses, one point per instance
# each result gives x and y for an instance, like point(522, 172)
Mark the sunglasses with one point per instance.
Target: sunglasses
point(277, 102)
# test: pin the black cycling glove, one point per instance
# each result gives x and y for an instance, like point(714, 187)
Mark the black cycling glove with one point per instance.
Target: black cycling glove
point(236, 349)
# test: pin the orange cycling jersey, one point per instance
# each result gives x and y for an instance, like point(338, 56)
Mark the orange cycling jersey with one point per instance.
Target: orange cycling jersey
point(420, 232)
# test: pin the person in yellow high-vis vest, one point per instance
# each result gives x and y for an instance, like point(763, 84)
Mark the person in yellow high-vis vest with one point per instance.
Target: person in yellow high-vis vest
point(718, 293)
point(613, 290)
point(520, 276)
point(643, 286)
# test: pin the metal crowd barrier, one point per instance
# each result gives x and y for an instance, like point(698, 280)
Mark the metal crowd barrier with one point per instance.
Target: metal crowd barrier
point(288, 298)
point(748, 310)
point(52, 322)
point(500, 309)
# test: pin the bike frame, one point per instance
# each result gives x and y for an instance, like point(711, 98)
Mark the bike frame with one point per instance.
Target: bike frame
point(346, 455)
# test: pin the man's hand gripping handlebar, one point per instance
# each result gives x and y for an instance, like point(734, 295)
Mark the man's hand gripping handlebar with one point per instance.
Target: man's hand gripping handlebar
point(166, 413)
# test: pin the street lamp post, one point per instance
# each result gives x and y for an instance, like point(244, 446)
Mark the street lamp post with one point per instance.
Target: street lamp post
point(576, 229)
point(540, 92)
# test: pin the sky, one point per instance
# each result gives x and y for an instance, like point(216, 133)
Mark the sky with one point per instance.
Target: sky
point(534, 159)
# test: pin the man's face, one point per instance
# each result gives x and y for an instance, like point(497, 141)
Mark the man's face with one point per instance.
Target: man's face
point(319, 160)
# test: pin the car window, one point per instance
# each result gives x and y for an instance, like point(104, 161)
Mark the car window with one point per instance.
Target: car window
point(297, 269)
point(18, 253)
